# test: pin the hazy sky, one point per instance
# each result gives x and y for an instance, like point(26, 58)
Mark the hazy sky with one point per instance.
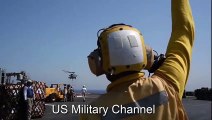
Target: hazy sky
point(43, 37)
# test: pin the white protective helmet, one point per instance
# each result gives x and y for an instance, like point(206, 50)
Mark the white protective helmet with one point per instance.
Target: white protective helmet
point(120, 49)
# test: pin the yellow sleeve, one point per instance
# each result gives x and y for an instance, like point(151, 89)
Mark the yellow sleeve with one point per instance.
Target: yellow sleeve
point(176, 67)
point(81, 117)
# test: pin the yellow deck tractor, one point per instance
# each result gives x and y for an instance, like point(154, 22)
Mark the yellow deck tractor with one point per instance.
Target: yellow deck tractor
point(54, 92)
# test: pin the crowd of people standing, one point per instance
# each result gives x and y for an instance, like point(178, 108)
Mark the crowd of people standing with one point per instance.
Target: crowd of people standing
point(69, 93)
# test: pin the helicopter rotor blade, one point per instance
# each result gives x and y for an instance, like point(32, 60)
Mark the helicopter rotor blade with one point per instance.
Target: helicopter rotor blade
point(67, 71)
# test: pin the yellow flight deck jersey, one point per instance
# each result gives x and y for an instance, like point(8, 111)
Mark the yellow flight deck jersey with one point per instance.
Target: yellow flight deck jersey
point(159, 97)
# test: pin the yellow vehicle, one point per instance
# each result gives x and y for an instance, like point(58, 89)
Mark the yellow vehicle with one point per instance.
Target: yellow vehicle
point(54, 92)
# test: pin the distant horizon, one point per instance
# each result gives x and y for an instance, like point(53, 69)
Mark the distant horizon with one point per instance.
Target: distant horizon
point(103, 89)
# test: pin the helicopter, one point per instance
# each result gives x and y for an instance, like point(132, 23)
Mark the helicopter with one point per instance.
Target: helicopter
point(72, 74)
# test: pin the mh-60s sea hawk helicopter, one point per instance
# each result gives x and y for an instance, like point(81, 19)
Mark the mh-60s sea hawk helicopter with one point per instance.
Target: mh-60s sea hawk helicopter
point(72, 75)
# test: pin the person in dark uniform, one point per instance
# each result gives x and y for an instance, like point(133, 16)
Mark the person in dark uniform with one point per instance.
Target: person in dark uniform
point(72, 94)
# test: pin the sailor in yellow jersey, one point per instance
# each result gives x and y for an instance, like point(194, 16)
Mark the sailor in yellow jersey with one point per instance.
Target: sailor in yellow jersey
point(122, 54)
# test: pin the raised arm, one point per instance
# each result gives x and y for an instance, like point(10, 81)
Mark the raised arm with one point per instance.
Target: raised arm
point(177, 64)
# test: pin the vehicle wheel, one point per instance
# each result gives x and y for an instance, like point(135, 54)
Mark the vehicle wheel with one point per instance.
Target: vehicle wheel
point(52, 97)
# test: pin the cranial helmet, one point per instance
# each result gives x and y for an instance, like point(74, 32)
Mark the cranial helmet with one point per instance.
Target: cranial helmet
point(120, 49)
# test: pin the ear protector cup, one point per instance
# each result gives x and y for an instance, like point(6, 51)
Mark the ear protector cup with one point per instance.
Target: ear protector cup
point(154, 61)
point(150, 57)
point(94, 62)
